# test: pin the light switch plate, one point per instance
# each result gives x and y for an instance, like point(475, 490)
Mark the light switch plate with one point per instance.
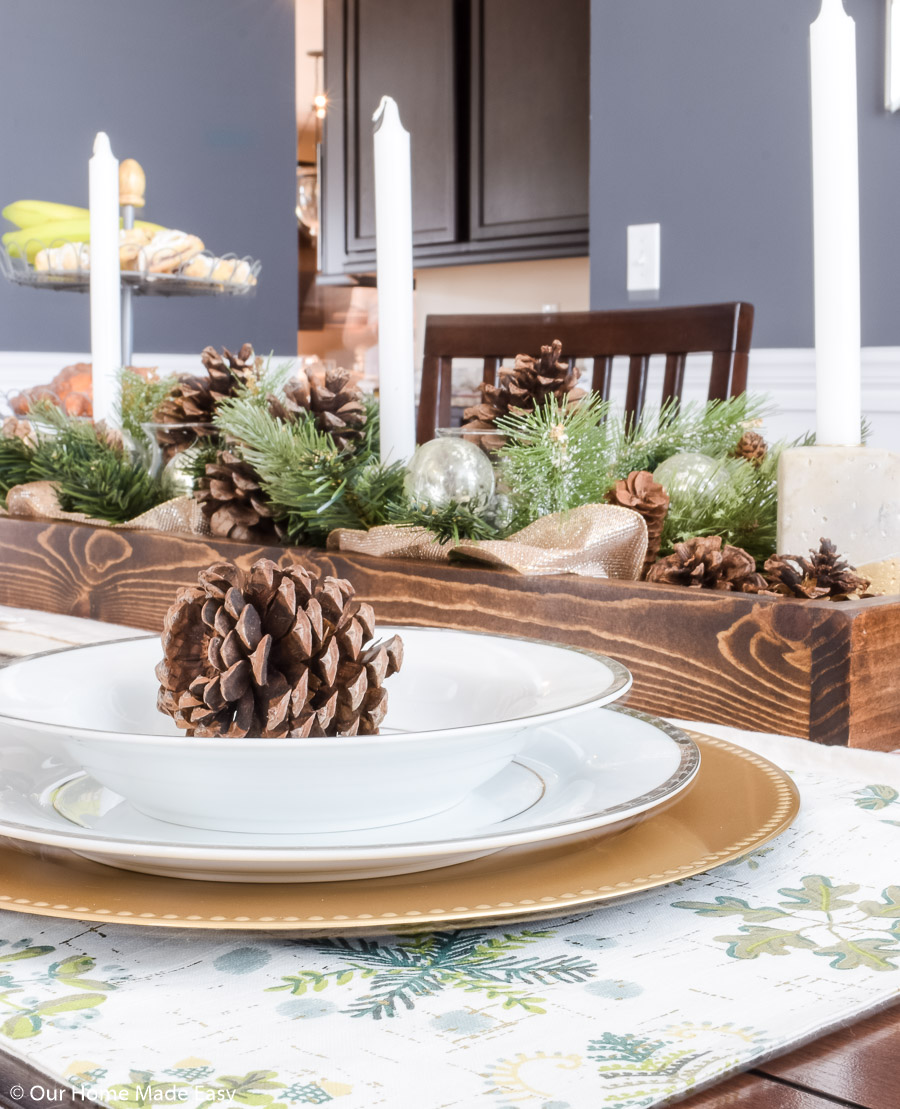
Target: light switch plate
point(643, 258)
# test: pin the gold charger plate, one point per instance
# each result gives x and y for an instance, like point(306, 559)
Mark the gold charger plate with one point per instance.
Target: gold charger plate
point(738, 802)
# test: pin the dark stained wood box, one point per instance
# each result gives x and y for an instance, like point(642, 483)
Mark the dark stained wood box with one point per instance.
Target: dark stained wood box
point(825, 671)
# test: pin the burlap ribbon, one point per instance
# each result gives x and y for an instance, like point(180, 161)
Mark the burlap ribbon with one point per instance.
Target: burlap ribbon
point(38, 499)
point(596, 540)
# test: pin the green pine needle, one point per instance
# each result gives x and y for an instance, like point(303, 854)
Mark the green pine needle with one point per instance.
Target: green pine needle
point(139, 399)
point(555, 458)
point(92, 474)
point(15, 464)
point(448, 524)
point(712, 428)
point(204, 452)
point(743, 509)
point(314, 487)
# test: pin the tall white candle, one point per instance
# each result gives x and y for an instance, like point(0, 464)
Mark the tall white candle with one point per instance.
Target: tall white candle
point(106, 341)
point(836, 225)
point(393, 237)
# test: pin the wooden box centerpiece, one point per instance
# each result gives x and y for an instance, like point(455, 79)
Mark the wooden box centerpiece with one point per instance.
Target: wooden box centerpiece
point(817, 669)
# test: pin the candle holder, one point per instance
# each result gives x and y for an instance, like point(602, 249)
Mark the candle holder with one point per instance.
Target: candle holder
point(850, 494)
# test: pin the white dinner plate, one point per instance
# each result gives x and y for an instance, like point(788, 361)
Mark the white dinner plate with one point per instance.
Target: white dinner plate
point(460, 709)
point(603, 770)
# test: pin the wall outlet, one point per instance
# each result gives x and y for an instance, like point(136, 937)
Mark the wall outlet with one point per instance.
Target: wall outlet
point(643, 258)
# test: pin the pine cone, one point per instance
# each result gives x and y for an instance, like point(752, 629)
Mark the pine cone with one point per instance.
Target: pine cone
point(704, 563)
point(231, 499)
point(648, 498)
point(195, 399)
point(751, 447)
point(524, 387)
point(227, 370)
point(825, 575)
point(335, 403)
point(273, 653)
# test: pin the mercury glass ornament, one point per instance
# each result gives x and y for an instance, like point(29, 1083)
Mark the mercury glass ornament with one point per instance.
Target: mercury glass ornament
point(178, 474)
point(446, 470)
point(691, 475)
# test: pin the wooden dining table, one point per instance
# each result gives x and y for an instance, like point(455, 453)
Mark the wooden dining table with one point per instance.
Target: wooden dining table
point(856, 1068)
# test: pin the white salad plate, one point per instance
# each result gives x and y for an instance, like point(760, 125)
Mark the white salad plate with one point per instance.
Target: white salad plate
point(600, 771)
point(460, 709)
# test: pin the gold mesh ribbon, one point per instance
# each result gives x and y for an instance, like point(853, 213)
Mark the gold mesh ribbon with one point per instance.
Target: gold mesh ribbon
point(596, 540)
point(38, 499)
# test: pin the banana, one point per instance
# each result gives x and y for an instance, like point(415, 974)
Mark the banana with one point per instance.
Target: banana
point(29, 240)
point(33, 213)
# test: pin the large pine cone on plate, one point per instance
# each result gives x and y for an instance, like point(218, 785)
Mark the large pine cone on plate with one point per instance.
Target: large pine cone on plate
point(273, 653)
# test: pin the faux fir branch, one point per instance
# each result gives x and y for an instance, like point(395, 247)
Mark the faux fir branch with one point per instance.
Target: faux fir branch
point(560, 457)
point(448, 524)
point(91, 469)
point(555, 458)
point(139, 398)
point(16, 457)
point(314, 486)
point(713, 428)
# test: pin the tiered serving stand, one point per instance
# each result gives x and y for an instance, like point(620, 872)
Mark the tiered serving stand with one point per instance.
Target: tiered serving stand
point(134, 283)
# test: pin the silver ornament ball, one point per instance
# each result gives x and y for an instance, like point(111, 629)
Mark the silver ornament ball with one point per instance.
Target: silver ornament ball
point(445, 470)
point(690, 474)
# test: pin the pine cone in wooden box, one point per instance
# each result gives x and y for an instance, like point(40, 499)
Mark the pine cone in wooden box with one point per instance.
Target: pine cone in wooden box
point(273, 653)
point(335, 402)
point(649, 499)
point(824, 575)
point(232, 501)
point(524, 387)
point(704, 563)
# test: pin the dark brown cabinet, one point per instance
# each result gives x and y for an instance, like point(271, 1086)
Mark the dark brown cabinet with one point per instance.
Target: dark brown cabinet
point(530, 65)
point(495, 96)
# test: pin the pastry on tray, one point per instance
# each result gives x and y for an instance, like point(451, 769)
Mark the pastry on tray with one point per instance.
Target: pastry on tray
point(68, 258)
point(77, 256)
point(131, 243)
point(167, 251)
point(236, 271)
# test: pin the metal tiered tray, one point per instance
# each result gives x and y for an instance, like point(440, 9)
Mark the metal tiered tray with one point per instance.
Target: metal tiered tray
point(141, 283)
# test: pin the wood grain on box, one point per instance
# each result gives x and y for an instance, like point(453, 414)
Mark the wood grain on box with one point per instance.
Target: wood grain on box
point(815, 669)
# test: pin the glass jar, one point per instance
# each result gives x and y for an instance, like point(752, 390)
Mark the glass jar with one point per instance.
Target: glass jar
point(163, 442)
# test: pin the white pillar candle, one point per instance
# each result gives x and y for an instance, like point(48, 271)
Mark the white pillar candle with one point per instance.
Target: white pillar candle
point(393, 238)
point(836, 226)
point(106, 341)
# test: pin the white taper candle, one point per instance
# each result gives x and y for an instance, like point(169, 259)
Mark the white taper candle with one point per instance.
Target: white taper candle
point(836, 226)
point(393, 236)
point(106, 341)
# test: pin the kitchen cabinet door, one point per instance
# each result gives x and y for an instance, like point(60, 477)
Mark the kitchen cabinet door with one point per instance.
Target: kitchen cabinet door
point(529, 123)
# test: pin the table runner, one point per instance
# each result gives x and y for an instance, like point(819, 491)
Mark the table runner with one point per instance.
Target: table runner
point(626, 1006)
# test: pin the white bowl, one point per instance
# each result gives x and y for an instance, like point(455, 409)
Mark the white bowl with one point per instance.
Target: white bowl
point(459, 711)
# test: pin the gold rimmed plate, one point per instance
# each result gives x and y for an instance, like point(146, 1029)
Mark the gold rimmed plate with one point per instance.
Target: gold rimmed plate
point(738, 802)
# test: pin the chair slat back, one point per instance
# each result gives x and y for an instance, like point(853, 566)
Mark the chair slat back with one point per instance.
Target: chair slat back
point(723, 330)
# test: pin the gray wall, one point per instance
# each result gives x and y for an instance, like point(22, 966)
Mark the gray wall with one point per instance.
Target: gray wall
point(202, 94)
point(700, 121)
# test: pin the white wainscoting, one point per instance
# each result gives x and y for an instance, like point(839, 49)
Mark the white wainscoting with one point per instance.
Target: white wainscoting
point(786, 377)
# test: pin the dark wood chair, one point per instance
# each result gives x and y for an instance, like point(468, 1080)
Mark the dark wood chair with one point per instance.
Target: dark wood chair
point(724, 330)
